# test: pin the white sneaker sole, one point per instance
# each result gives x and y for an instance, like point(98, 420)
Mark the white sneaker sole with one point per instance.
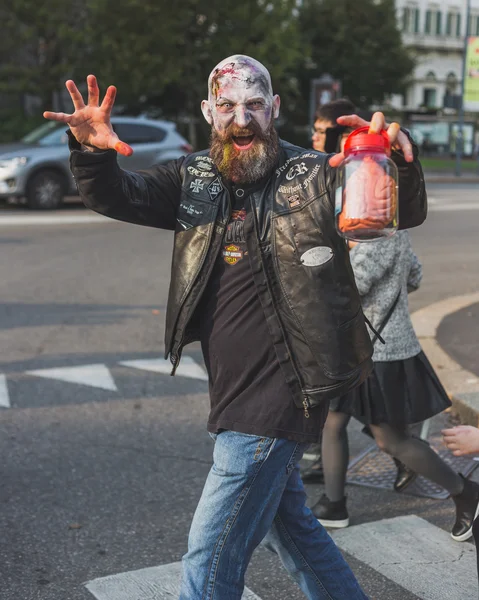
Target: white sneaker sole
point(466, 536)
point(335, 524)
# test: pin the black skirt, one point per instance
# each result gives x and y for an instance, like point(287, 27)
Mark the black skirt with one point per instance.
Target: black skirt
point(399, 392)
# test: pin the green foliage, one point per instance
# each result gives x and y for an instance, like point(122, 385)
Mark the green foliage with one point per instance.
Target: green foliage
point(159, 52)
point(39, 44)
point(357, 42)
point(14, 124)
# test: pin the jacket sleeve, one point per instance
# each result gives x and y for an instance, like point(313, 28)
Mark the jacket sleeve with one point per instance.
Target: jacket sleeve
point(372, 261)
point(149, 197)
point(412, 189)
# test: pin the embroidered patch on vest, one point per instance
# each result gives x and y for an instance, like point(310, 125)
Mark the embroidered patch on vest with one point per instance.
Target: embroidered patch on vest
point(232, 254)
point(294, 200)
point(214, 188)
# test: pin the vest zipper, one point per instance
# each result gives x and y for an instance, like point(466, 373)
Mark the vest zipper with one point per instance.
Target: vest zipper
point(306, 407)
point(202, 289)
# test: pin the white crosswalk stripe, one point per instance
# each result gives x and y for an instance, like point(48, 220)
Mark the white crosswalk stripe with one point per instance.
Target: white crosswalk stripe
point(415, 554)
point(4, 397)
point(410, 551)
point(9, 220)
point(160, 583)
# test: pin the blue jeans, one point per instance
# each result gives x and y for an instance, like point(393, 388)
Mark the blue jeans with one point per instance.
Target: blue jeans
point(254, 492)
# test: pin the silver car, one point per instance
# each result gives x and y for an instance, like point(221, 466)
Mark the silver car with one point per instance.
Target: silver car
point(37, 167)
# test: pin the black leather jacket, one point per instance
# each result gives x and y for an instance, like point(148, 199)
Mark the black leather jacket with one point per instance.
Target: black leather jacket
point(310, 301)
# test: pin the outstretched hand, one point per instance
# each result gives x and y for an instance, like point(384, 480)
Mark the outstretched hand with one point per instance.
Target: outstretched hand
point(90, 123)
point(397, 138)
point(461, 440)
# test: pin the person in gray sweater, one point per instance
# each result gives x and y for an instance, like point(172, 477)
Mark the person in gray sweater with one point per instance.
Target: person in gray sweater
point(403, 388)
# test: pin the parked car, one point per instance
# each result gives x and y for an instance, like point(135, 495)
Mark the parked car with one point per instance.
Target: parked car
point(37, 167)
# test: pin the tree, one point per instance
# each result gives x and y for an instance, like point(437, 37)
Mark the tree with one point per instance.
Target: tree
point(161, 55)
point(357, 42)
point(39, 44)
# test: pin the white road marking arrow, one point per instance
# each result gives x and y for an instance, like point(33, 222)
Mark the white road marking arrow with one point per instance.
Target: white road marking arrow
point(97, 376)
point(188, 367)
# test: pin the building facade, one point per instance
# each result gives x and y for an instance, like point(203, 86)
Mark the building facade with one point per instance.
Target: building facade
point(435, 31)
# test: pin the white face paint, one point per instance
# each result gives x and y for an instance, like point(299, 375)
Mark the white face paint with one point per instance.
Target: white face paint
point(239, 91)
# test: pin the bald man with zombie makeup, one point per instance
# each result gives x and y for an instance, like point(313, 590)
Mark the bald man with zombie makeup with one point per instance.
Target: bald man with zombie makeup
point(281, 333)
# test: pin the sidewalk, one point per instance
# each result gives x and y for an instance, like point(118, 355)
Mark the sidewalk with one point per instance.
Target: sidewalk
point(451, 177)
point(448, 332)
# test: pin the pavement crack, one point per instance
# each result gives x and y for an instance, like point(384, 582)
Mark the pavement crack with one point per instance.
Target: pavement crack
point(447, 561)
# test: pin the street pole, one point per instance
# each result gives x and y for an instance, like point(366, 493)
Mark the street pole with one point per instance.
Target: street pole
point(460, 132)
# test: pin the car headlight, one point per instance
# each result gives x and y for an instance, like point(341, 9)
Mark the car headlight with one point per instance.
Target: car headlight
point(12, 163)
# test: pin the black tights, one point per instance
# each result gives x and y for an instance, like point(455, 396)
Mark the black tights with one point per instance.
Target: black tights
point(397, 442)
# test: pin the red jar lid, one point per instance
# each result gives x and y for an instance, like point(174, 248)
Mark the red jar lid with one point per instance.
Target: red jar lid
point(362, 141)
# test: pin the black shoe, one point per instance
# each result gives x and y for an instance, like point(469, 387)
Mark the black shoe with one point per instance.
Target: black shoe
point(313, 473)
point(331, 514)
point(404, 476)
point(467, 509)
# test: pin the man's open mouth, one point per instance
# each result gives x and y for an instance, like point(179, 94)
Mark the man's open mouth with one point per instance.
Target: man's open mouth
point(243, 142)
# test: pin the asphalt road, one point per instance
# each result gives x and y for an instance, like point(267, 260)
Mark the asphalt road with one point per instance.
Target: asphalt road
point(103, 463)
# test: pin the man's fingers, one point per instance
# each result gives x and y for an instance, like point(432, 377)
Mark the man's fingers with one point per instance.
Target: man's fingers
point(54, 116)
point(120, 147)
point(76, 97)
point(336, 160)
point(402, 143)
point(109, 99)
point(377, 123)
point(393, 132)
point(93, 91)
point(352, 121)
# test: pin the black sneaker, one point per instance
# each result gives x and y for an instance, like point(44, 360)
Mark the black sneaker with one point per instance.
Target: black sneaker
point(404, 477)
point(313, 473)
point(467, 509)
point(331, 514)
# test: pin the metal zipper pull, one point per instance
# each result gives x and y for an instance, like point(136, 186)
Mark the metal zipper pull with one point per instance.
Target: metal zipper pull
point(306, 408)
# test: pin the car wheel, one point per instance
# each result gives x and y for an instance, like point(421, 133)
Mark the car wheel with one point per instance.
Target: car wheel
point(45, 190)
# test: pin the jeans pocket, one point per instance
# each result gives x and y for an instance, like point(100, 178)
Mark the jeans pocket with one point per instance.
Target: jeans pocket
point(237, 453)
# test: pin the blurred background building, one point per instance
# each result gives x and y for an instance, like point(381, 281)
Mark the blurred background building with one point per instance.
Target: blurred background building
point(434, 32)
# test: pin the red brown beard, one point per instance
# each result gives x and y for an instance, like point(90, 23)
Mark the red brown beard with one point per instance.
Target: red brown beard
point(245, 166)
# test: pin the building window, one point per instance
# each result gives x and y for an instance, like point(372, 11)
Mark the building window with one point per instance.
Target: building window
point(429, 97)
point(433, 23)
point(438, 23)
point(451, 82)
point(453, 24)
point(410, 19)
point(427, 26)
point(474, 25)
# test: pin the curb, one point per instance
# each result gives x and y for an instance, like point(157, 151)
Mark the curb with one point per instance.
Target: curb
point(462, 386)
point(450, 178)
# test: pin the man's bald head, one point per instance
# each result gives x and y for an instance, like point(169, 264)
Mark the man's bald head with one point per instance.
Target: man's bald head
point(242, 70)
point(241, 109)
point(240, 90)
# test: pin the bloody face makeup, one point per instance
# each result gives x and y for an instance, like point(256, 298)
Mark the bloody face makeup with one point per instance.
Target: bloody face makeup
point(240, 108)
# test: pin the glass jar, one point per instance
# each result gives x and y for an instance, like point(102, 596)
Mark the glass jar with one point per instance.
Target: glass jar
point(367, 188)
